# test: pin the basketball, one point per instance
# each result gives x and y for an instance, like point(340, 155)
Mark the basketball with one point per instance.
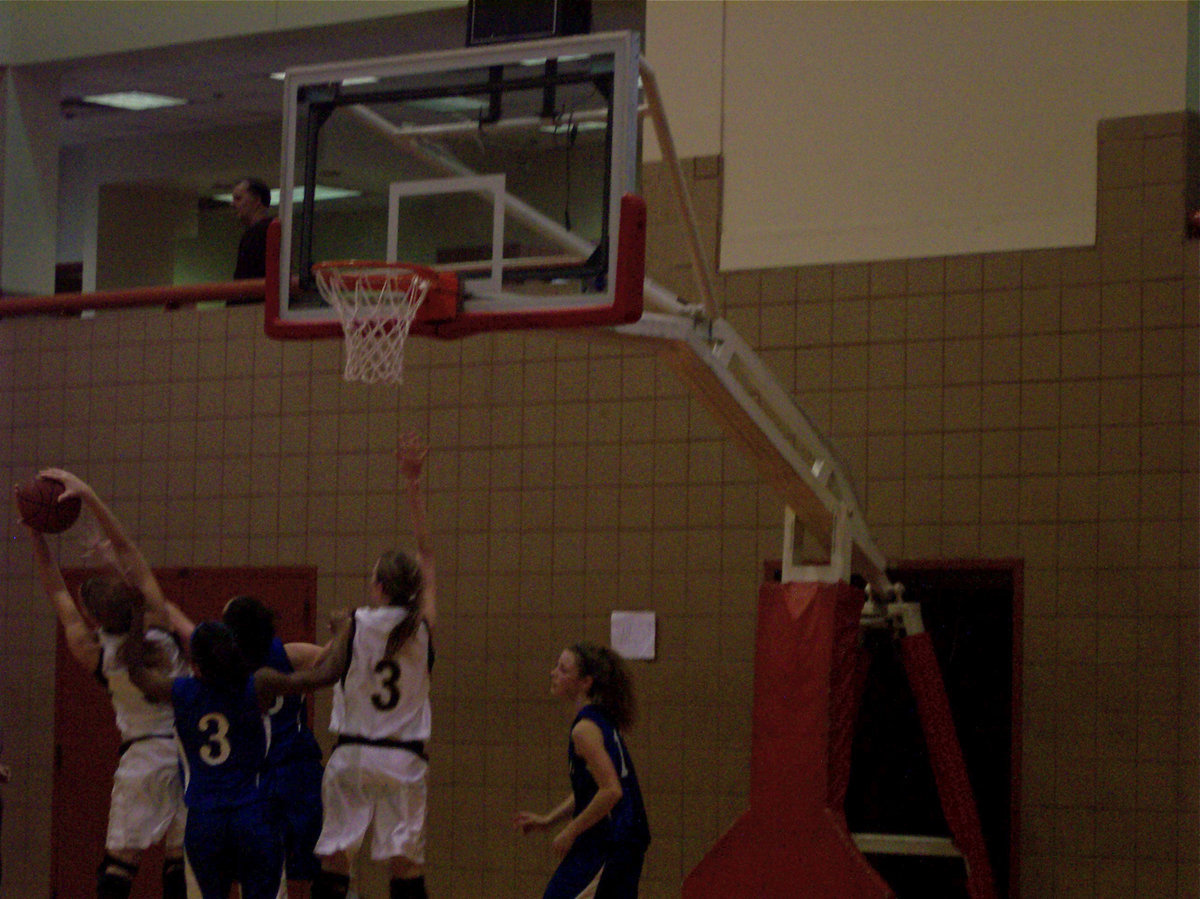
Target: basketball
point(37, 501)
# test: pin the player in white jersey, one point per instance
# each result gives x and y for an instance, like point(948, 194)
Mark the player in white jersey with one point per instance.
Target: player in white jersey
point(380, 663)
point(146, 807)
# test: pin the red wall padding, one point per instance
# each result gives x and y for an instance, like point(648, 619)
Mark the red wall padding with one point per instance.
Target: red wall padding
point(793, 842)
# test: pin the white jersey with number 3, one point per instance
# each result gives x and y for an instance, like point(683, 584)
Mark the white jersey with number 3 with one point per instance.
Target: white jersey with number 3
point(383, 698)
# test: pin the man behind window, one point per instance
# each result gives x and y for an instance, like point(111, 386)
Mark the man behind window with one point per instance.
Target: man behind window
point(252, 205)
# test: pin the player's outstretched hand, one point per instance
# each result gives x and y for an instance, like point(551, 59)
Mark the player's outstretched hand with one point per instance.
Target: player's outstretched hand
point(527, 822)
point(72, 485)
point(411, 454)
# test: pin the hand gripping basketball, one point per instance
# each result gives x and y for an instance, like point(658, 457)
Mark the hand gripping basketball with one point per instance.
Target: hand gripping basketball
point(46, 506)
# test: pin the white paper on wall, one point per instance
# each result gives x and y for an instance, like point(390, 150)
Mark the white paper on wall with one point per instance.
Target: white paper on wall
point(633, 634)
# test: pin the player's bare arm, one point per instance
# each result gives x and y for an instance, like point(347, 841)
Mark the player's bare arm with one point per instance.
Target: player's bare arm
point(303, 656)
point(155, 683)
point(589, 745)
point(80, 636)
point(411, 455)
point(527, 822)
point(125, 554)
point(327, 668)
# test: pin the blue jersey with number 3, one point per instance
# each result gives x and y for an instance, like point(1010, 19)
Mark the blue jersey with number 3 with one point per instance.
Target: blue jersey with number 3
point(225, 737)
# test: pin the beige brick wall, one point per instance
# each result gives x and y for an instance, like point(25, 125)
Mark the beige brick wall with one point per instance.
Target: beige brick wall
point(1039, 405)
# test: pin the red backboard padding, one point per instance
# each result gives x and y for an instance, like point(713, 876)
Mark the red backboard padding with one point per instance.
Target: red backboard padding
point(792, 842)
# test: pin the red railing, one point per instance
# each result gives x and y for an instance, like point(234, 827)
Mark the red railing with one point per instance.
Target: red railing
point(168, 297)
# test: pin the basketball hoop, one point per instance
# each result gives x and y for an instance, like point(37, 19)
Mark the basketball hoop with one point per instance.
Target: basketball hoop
point(377, 303)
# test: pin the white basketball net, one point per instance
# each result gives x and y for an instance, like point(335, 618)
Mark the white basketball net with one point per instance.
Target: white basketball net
point(377, 303)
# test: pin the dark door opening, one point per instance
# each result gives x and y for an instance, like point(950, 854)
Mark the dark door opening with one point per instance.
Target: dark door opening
point(972, 610)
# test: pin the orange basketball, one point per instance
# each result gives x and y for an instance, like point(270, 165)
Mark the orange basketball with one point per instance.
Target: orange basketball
point(38, 503)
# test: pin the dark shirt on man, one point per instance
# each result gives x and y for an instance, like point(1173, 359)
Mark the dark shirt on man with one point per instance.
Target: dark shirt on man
point(252, 251)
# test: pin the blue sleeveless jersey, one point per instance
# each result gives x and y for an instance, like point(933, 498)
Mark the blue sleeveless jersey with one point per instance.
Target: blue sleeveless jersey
point(626, 823)
point(224, 737)
point(291, 738)
point(293, 778)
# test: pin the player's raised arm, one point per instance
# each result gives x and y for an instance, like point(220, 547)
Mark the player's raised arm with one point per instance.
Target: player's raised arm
point(326, 668)
point(304, 656)
point(80, 637)
point(411, 455)
point(154, 683)
point(125, 554)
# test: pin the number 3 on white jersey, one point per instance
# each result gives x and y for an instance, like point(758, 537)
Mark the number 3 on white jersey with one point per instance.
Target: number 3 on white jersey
point(215, 728)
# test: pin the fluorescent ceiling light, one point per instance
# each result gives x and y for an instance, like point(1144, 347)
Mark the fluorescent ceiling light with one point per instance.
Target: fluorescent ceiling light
point(320, 192)
point(134, 100)
point(566, 57)
point(450, 104)
point(565, 127)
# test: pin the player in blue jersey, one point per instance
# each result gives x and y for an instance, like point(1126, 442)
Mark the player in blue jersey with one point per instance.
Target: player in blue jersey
point(293, 776)
point(603, 844)
point(223, 730)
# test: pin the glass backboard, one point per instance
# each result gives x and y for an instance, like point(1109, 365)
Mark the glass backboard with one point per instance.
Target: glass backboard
point(513, 166)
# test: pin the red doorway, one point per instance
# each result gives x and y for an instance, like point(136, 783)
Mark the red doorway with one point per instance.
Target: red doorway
point(85, 735)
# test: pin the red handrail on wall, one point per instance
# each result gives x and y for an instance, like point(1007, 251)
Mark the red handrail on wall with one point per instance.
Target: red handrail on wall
point(169, 297)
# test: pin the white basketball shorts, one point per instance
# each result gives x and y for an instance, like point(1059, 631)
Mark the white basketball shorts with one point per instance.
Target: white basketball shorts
point(147, 797)
point(374, 783)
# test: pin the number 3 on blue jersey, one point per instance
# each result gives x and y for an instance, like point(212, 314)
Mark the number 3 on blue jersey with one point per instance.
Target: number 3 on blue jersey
point(215, 728)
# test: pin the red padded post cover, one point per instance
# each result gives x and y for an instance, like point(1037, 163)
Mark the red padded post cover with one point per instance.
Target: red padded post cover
point(792, 842)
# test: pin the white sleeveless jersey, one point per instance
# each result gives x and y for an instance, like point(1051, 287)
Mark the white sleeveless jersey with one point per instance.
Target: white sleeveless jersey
point(136, 716)
point(378, 698)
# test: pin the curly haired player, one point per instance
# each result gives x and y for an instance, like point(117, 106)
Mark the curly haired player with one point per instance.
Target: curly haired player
point(603, 844)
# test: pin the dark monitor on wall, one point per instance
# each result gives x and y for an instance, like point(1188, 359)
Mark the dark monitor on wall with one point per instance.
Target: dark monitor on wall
point(500, 21)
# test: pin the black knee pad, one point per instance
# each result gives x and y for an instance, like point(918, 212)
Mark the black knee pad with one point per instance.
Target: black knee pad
point(114, 878)
point(174, 879)
point(328, 885)
point(407, 888)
